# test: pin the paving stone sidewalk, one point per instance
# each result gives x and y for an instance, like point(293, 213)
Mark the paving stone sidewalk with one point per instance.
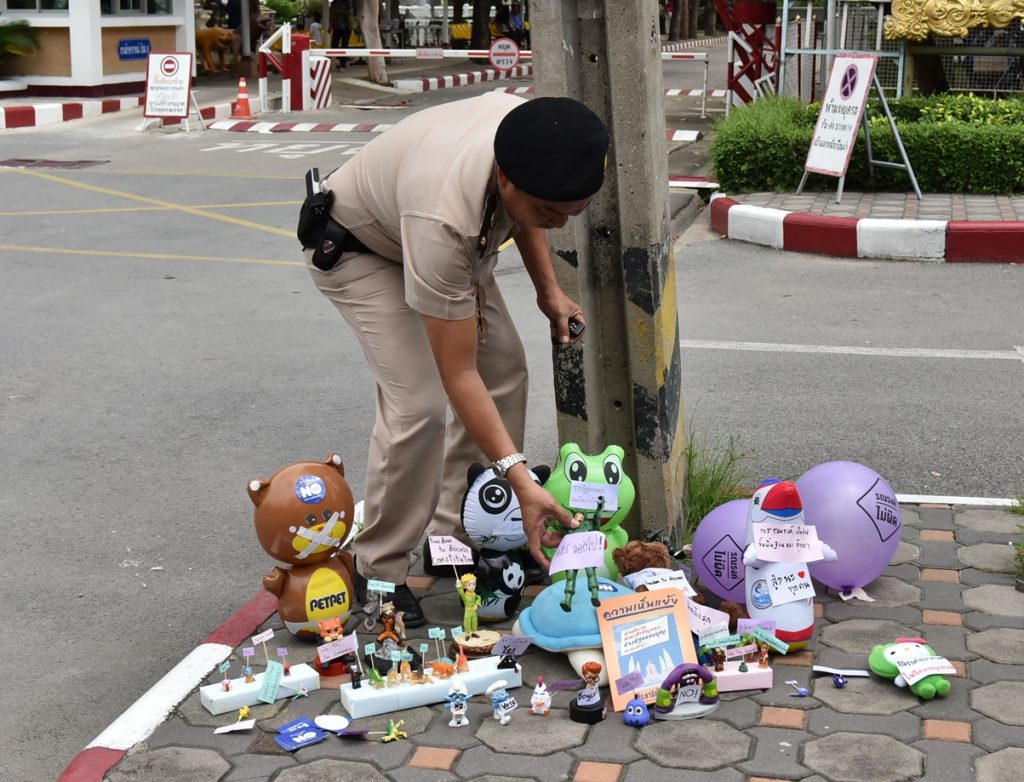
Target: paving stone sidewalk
point(949, 582)
point(894, 206)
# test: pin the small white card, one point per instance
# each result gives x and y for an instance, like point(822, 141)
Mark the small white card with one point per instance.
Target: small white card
point(786, 542)
point(790, 584)
point(266, 635)
point(241, 725)
point(914, 668)
point(657, 578)
point(584, 496)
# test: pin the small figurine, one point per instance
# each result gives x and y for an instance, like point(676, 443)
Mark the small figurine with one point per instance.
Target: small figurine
point(743, 667)
point(461, 662)
point(839, 681)
point(243, 713)
point(226, 684)
point(801, 692)
point(247, 672)
point(357, 677)
point(540, 701)
point(588, 707)
point(394, 627)
point(283, 654)
point(637, 714)
point(394, 732)
point(585, 525)
point(762, 656)
point(508, 662)
point(442, 669)
point(501, 702)
point(456, 702)
point(375, 679)
point(689, 691)
point(885, 660)
point(330, 630)
point(466, 587)
point(718, 657)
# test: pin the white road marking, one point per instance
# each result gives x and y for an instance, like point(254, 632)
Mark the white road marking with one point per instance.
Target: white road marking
point(853, 350)
point(932, 499)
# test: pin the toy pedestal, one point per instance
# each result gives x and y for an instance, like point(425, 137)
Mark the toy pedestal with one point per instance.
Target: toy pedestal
point(368, 701)
point(243, 693)
point(588, 715)
point(732, 680)
point(686, 711)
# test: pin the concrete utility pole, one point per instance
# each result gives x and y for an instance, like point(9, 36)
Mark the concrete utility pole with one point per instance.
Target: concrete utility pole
point(623, 384)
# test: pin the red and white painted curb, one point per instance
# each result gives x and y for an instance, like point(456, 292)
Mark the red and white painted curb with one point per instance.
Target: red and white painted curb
point(214, 112)
point(462, 79)
point(696, 43)
point(255, 126)
point(669, 92)
point(951, 241)
point(38, 114)
point(148, 712)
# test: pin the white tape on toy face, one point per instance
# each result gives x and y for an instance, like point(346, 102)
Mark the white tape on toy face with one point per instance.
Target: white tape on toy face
point(316, 539)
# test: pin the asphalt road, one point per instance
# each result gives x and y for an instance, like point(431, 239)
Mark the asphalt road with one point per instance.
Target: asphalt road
point(162, 345)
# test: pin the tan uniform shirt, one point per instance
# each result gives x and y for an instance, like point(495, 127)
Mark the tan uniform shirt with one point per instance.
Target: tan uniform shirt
point(417, 193)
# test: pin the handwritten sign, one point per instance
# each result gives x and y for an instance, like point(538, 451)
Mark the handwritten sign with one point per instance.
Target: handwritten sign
point(424, 648)
point(913, 668)
point(457, 633)
point(223, 667)
point(740, 651)
point(709, 635)
point(631, 681)
point(510, 526)
point(248, 651)
point(578, 550)
point(282, 651)
point(446, 550)
point(585, 496)
point(266, 635)
point(436, 632)
point(722, 641)
point(512, 644)
point(747, 626)
point(370, 649)
point(787, 542)
point(373, 585)
point(789, 584)
point(657, 578)
point(702, 617)
point(271, 681)
point(333, 649)
point(769, 638)
point(396, 655)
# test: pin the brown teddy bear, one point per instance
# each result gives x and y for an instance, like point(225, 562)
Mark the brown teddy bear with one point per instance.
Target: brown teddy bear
point(303, 515)
point(636, 556)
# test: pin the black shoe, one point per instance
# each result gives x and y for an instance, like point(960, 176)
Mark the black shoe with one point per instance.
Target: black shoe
point(445, 571)
point(402, 597)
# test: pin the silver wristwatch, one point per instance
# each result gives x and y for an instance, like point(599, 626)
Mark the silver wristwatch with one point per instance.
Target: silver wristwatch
point(503, 465)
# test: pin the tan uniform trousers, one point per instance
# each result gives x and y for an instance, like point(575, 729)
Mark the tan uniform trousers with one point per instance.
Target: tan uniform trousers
point(416, 470)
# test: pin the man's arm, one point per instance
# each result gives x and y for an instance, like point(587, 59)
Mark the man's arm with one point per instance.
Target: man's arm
point(453, 343)
point(551, 299)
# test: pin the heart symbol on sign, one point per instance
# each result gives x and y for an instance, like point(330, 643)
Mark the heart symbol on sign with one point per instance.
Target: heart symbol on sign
point(800, 573)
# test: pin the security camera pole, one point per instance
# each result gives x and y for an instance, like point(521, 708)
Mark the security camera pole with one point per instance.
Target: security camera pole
point(622, 384)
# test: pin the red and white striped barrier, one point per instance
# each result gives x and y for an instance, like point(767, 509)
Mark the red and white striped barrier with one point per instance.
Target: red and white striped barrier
point(952, 241)
point(320, 83)
point(38, 114)
point(669, 92)
point(462, 79)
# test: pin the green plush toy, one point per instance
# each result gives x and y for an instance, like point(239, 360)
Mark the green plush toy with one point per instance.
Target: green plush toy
point(883, 662)
point(574, 466)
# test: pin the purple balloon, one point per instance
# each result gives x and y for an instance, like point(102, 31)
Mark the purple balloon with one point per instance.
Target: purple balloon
point(855, 511)
point(718, 547)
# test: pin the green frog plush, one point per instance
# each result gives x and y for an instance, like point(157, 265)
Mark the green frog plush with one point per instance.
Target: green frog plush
point(884, 658)
point(574, 466)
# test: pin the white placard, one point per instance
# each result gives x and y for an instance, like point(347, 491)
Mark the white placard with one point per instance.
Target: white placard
point(235, 726)
point(775, 542)
point(659, 578)
point(789, 583)
point(334, 649)
point(168, 78)
point(702, 618)
point(266, 635)
point(840, 115)
point(584, 496)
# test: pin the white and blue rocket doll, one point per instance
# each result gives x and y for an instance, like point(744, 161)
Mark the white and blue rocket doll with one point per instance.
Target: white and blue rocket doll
point(777, 502)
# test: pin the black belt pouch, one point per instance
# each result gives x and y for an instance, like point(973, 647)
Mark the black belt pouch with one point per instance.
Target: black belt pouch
point(318, 231)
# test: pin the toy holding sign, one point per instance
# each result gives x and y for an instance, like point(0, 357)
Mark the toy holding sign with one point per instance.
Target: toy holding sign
point(465, 585)
point(588, 706)
point(502, 703)
point(910, 661)
point(577, 480)
point(302, 514)
point(579, 549)
point(458, 695)
point(780, 591)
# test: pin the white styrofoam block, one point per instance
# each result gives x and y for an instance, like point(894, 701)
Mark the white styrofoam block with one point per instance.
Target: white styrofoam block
point(756, 678)
point(243, 693)
point(757, 224)
point(368, 701)
point(923, 240)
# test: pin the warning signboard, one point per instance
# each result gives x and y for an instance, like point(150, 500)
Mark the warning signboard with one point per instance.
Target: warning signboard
point(840, 115)
point(504, 54)
point(168, 77)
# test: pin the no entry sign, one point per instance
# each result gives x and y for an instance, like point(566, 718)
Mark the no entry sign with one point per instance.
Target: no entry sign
point(504, 54)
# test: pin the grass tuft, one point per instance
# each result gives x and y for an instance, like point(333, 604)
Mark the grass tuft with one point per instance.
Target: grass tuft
point(715, 473)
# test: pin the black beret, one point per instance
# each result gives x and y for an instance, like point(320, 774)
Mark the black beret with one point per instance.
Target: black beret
point(553, 148)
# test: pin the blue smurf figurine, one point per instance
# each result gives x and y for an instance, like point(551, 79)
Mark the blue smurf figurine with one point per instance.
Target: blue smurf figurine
point(502, 703)
point(456, 703)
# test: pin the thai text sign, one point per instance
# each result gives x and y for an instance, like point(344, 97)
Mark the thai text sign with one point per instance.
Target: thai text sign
point(168, 78)
point(840, 115)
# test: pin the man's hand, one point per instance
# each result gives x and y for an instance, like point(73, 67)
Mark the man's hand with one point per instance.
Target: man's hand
point(537, 506)
point(559, 310)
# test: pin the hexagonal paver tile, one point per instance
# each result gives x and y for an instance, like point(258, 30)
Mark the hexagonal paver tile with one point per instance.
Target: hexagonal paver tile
point(529, 735)
point(861, 635)
point(1002, 645)
point(332, 771)
point(856, 757)
point(865, 696)
point(891, 592)
point(905, 552)
point(990, 557)
point(987, 521)
point(994, 599)
point(1002, 701)
point(198, 765)
point(662, 741)
point(1001, 766)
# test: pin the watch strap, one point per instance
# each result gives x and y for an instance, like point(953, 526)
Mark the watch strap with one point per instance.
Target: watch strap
point(506, 463)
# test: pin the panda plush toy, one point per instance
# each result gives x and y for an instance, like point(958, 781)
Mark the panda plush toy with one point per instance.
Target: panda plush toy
point(494, 524)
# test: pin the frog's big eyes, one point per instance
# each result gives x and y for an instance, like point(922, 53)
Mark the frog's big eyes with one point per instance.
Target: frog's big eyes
point(613, 470)
point(576, 468)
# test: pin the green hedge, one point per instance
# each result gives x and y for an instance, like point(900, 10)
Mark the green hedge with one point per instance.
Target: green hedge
point(956, 144)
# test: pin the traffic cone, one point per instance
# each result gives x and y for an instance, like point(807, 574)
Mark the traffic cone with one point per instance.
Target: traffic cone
point(240, 108)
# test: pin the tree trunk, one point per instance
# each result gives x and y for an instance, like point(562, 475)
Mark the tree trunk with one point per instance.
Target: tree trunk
point(691, 31)
point(931, 76)
point(710, 17)
point(481, 25)
point(678, 12)
point(369, 22)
